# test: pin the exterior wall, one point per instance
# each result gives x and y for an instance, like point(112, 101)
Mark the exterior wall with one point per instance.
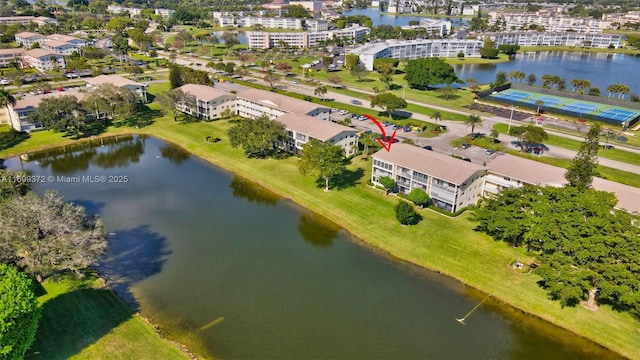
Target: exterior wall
point(494, 183)
point(346, 140)
point(267, 40)
point(270, 23)
point(317, 25)
point(211, 109)
point(556, 39)
point(43, 64)
point(7, 56)
point(28, 41)
point(439, 27)
point(26, 20)
point(249, 109)
point(444, 194)
point(66, 49)
point(550, 21)
point(19, 119)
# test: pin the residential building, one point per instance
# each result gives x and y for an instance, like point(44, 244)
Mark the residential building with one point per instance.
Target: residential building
point(165, 13)
point(416, 49)
point(139, 89)
point(302, 128)
point(508, 171)
point(26, 20)
point(67, 39)
point(19, 118)
point(551, 20)
point(114, 9)
point(601, 40)
point(60, 47)
point(43, 60)
point(26, 39)
point(265, 22)
point(451, 183)
point(8, 56)
point(253, 103)
point(437, 27)
point(268, 40)
point(210, 102)
point(317, 25)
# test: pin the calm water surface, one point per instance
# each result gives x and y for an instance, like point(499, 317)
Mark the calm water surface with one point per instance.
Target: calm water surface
point(242, 273)
point(379, 18)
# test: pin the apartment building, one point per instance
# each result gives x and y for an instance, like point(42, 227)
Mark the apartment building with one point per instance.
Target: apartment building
point(60, 47)
point(26, 20)
point(268, 40)
point(210, 102)
point(317, 25)
point(26, 39)
point(43, 60)
point(550, 20)
point(302, 128)
point(265, 22)
point(438, 27)
point(451, 183)
point(253, 103)
point(19, 118)
point(416, 49)
point(508, 171)
point(137, 88)
point(522, 38)
point(114, 9)
point(66, 39)
point(8, 56)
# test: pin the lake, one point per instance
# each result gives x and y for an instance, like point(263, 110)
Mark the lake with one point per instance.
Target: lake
point(600, 68)
point(378, 18)
point(234, 271)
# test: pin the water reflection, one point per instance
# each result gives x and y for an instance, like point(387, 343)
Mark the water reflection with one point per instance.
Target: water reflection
point(317, 230)
point(174, 153)
point(254, 193)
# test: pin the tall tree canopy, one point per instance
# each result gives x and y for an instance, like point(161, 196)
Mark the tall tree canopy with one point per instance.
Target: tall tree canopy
point(388, 102)
point(322, 159)
point(583, 167)
point(259, 137)
point(428, 72)
point(19, 313)
point(587, 249)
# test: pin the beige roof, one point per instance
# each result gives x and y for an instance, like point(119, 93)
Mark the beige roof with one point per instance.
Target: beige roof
point(12, 51)
point(316, 128)
point(27, 34)
point(56, 44)
point(203, 92)
point(116, 80)
point(441, 166)
point(527, 171)
point(39, 53)
point(32, 101)
point(61, 37)
point(282, 102)
point(536, 173)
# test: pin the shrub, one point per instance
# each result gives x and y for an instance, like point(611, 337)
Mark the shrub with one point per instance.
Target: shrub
point(419, 197)
point(387, 182)
point(405, 213)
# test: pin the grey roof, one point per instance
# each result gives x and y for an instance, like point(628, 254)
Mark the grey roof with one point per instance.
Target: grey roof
point(116, 80)
point(322, 130)
point(282, 102)
point(203, 92)
point(441, 166)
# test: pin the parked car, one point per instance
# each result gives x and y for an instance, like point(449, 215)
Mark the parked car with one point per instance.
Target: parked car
point(407, 129)
point(428, 147)
point(465, 145)
point(343, 112)
point(489, 152)
point(356, 102)
point(397, 127)
point(466, 159)
point(388, 138)
point(386, 123)
point(608, 147)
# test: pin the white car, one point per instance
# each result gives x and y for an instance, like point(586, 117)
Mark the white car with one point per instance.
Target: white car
point(343, 112)
point(5, 82)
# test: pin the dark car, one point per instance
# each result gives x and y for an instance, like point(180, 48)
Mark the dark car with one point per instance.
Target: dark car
point(397, 127)
point(489, 152)
point(466, 159)
point(608, 147)
point(407, 129)
point(428, 147)
point(388, 138)
point(465, 145)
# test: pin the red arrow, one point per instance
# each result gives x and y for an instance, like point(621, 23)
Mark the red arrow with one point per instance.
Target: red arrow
point(385, 144)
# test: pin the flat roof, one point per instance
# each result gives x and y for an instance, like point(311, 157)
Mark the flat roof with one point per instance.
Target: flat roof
point(282, 102)
point(322, 130)
point(116, 80)
point(203, 92)
point(372, 49)
point(441, 166)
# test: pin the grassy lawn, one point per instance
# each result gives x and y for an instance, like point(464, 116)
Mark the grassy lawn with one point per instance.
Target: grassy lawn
point(83, 320)
point(477, 60)
point(447, 245)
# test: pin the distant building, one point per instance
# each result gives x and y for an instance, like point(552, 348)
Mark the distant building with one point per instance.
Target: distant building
point(416, 49)
point(268, 40)
point(68, 39)
point(8, 56)
point(266, 22)
point(114, 9)
point(137, 88)
point(551, 20)
point(253, 103)
point(594, 40)
point(43, 60)
point(451, 183)
point(436, 26)
point(317, 25)
point(301, 129)
point(26, 20)
point(26, 39)
point(60, 47)
point(210, 102)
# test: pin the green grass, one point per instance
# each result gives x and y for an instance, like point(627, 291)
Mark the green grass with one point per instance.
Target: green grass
point(447, 245)
point(476, 60)
point(83, 320)
point(578, 49)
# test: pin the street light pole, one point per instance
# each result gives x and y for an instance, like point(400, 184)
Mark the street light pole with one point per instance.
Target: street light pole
point(510, 118)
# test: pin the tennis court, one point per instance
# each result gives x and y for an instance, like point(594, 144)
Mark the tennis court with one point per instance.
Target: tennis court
point(511, 95)
point(581, 108)
point(619, 114)
point(547, 101)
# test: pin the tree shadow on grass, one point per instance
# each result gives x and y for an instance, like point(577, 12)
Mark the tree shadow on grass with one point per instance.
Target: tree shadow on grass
point(348, 178)
point(11, 138)
point(133, 255)
point(72, 321)
point(144, 117)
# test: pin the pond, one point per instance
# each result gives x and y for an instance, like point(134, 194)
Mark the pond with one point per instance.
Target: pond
point(379, 18)
point(235, 271)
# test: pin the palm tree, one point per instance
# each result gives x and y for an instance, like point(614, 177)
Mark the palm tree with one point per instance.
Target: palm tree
point(494, 135)
point(539, 104)
point(321, 91)
point(6, 98)
point(437, 116)
point(473, 120)
point(608, 135)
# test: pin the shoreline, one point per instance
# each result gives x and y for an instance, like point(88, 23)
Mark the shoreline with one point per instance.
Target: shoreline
point(358, 237)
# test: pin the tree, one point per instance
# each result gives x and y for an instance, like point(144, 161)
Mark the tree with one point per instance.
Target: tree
point(501, 78)
point(489, 52)
point(272, 79)
point(367, 140)
point(49, 235)
point(283, 66)
point(173, 100)
point(351, 60)
point(528, 135)
point(321, 91)
point(425, 73)
point(259, 137)
point(608, 134)
point(118, 25)
point(436, 116)
point(473, 84)
point(473, 120)
point(230, 39)
point(296, 11)
point(326, 61)
point(594, 91)
point(419, 197)
point(335, 80)
point(539, 104)
point(359, 71)
point(388, 183)
point(509, 49)
point(6, 98)
point(389, 103)
point(322, 159)
point(405, 213)
point(19, 313)
point(386, 73)
point(531, 79)
point(175, 76)
point(583, 167)
point(63, 114)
